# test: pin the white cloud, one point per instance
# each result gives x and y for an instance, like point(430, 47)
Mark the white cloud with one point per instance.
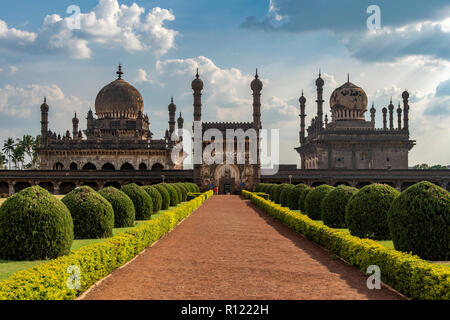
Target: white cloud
point(143, 77)
point(13, 69)
point(108, 24)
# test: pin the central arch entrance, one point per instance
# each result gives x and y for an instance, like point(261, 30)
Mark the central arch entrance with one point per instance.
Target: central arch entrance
point(227, 178)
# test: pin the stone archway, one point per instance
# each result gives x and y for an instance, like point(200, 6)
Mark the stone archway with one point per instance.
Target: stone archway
point(108, 167)
point(19, 186)
point(127, 167)
point(47, 186)
point(66, 187)
point(227, 178)
point(89, 166)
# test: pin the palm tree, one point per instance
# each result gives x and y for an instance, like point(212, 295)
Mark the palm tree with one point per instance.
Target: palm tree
point(8, 149)
point(35, 158)
point(27, 144)
point(2, 161)
point(18, 156)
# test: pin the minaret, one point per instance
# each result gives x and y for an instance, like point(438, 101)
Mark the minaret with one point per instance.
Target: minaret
point(44, 121)
point(391, 115)
point(75, 123)
point(320, 101)
point(384, 118)
point(256, 87)
point(90, 120)
point(180, 122)
point(405, 96)
point(197, 86)
point(372, 115)
point(172, 110)
point(302, 101)
point(399, 116)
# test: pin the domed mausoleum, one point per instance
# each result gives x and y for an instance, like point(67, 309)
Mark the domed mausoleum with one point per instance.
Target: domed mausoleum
point(117, 137)
point(348, 141)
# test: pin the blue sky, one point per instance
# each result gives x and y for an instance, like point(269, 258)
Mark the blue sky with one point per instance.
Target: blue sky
point(160, 43)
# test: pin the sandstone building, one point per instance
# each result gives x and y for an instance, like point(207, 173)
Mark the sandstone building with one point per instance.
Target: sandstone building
point(348, 141)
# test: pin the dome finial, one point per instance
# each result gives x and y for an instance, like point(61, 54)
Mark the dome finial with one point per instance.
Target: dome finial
point(256, 75)
point(171, 99)
point(197, 75)
point(320, 72)
point(45, 99)
point(119, 72)
point(348, 77)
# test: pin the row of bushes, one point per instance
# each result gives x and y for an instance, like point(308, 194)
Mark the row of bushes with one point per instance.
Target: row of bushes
point(406, 273)
point(34, 225)
point(49, 281)
point(417, 220)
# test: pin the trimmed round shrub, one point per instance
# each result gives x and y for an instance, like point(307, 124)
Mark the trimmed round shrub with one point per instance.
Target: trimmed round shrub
point(285, 193)
point(143, 204)
point(34, 225)
point(313, 201)
point(366, 211)
point(294, 194)
point(156, 197)
point(124, 214)
point(419, 221)
point(183, 192)
point(271, 190)
point(195, 187)
point(302, 198)
point(188, 187)
point(277, 193)
point(333, 206)
point(178, 190)
point(93, 215)
point(174, 200)
point(165, 204)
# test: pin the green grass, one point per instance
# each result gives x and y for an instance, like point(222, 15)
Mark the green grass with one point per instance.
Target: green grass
point(7, 268)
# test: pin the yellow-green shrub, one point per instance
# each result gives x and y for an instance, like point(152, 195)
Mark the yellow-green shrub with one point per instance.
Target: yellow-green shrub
point(404, 272)
point(48, 281)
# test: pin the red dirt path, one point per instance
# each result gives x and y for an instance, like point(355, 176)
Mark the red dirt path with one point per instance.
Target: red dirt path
point(230, 249)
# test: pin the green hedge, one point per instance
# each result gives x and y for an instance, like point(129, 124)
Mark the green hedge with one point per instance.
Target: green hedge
point(34, 225)
point(366, 211)
point(92, 215)
point(48, 281)
point(124, 214)
point(156, 197)
point(333, 206)
point(262, 195)
point(419, 221)
point(143, 204)
point(404, 272)
point(294, 195)
point(165, 204)
point(302, 198)
point(174, 199)
point(313, 201)
point(285, 190)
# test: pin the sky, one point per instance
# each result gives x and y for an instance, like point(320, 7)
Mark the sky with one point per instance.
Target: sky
point(161, 43)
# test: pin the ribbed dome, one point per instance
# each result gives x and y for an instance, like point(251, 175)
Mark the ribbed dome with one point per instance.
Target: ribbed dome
point(348, 102)
point(119, 98)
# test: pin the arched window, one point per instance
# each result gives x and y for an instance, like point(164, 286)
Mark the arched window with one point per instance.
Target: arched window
point(108, 167)
point(127, 167)
point(142, 166)
point(73, 166)
point(89, 166)
point(58, 166)
point(157, 167)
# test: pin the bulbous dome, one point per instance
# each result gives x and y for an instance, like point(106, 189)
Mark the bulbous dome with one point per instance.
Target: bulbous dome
point(197, 84)
point(405, 95)
point(118, 98)
point(44, 106)
point(256, 84)
point(349, 101)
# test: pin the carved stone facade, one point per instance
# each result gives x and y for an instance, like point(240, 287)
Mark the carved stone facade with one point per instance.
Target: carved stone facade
point(349, 141)
point(118, 139)
point(235, 175)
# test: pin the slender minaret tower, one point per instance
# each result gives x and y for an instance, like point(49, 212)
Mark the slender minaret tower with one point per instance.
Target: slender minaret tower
point(399, 117)
point(172, 110)
point(302, 101)
point(405, 96)
point(384, 118)
point(90, 120)
point(372, 115)
point(180, 122)
point(75, 122)
point(391, 115)
point(197, 86)
point(256, 87)
point(44, 121)
point(320, 83)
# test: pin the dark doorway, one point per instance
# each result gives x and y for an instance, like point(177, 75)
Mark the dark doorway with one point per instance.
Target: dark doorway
point(66, 187)
point(91, 184)
point(4, 188)
point(142, 167)
point(58, 166)
point(21, 185)
point(108, 167)
point(73, 166)
point(157, 167)
point(89, 166)
point(127, 167)
point(47, 186)
point(226, 188)
point(113, 184)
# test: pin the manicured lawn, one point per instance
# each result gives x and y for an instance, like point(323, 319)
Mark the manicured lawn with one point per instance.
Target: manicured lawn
point(7, 268)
